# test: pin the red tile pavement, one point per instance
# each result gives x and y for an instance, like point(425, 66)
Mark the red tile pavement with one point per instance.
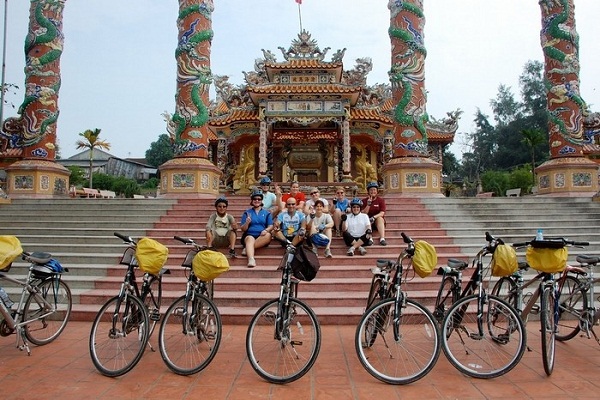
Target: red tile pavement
point(63, 370)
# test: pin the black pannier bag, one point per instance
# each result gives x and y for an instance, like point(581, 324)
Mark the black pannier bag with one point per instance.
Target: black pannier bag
point(305, 264)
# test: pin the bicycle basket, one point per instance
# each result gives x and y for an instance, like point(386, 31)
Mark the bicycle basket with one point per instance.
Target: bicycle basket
point(50, 268)
point(305, 264)
point(547, 260)
point(209, 264)
point(504, 261)
point(10, 249)
point(425, 258)
point(151, 255)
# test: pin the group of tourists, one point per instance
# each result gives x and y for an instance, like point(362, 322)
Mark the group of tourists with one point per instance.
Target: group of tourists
point(295, 218)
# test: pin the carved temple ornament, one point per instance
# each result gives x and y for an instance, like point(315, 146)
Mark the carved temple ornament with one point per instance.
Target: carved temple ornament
point(291, 107)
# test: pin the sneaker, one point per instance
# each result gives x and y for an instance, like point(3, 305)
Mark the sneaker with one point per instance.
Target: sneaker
point(251, 262)
point(244, 251)
point(314, 250)
point(362, 251)
point(370, 242)
point(350, 252)
point(328, 253)
point(382, 242)
point(232, 253)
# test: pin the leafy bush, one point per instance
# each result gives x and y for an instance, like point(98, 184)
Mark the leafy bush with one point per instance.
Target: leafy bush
point(521, 178)
point(495, 181)
point(77, 177)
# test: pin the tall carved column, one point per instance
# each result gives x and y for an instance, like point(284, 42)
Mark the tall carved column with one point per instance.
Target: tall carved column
point(409, 171)
point(346, 171)
point(34, 130)
point(567, 172)
point(191, 172)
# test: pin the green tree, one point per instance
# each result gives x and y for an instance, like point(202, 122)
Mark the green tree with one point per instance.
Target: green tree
point(495, 181)
point(77, 177)
point(533, 138)
point(160, 151)
point(90, 141)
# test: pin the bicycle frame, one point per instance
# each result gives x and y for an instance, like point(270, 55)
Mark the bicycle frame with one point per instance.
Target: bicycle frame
point(17, 322)
point(288, 289)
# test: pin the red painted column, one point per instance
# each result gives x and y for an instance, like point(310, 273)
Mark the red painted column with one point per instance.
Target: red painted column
point(566, 109)
point(407, 76)
point(188, 126)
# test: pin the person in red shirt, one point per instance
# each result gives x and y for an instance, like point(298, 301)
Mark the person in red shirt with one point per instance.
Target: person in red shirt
point(374, 207)
point(296, 194)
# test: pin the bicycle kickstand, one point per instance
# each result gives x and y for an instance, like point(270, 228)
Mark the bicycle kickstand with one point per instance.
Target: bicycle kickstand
point(23, 340)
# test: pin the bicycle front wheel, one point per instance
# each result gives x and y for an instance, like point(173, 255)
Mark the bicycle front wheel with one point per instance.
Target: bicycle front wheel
point(572, 304)
point(51, 318)
point(402, 357)
point(483, 341)
point(548, 317)
point(286, 355)
point(119, 335)
point(190, 335)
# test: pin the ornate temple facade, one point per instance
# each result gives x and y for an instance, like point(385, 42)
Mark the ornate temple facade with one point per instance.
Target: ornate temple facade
point(306, 118)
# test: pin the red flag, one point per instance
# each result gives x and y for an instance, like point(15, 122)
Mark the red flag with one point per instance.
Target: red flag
point(299, 1)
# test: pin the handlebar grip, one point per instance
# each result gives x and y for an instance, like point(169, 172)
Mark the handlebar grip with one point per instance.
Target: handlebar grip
point(406, 238)
point(581, 243)
point(181, 239)
point(123, 237)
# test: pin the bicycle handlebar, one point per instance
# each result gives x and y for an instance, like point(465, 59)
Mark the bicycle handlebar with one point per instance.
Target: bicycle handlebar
point(552, 242)
point(126, 239)
point(184, 239)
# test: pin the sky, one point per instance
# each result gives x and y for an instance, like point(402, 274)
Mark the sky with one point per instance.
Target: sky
point(118, 64)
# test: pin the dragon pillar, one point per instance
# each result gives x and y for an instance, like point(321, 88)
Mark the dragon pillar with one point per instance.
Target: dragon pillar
point(567, 172)
point(191, 172)
point(30, 137)
point(410, 171)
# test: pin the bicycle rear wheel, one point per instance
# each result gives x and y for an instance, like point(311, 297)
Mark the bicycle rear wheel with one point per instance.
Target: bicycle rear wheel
point(572, 304)
point(46, 329)
point(285, 356)
point(506, 289)
point(487, 346)
point(400, 359)
point(190, 335)
point(548, 317)
point(119, 335)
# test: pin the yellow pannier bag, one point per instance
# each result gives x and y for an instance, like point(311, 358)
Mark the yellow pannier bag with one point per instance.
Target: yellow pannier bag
point(209, 264)
point(504, 261)
point(425, 259)
point(547, 260)
point(10, 249)
point(151, 255)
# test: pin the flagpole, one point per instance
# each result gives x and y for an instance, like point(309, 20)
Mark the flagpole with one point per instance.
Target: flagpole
point(300, 17)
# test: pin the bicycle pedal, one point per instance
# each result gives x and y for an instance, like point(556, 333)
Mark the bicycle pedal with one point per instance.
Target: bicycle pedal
point(154, 315)
point(535, 309)
point(270, 316)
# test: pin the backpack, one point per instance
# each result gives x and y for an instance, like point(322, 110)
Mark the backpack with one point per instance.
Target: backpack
point(504, 261)
point(151, 255)
point(424, 259)
point(209, 264)
point(305, 264)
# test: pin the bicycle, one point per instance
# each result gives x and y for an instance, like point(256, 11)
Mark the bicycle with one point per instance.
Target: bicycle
point(410, 341)
point(577, 308)
point(44, 306)
point(123, 326)
point(190, 333)
point(284, 336)
point(450, 287)
point(482, 335)
point(548, 291)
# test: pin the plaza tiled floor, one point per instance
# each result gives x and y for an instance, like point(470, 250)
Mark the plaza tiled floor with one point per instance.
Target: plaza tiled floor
point(63, 370)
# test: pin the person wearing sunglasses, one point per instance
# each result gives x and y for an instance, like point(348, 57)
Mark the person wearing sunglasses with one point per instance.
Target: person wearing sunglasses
point(221, 228)
point(341, 206)
point(290, 225)
point(296, 194)
point(356, 229)
point(309, 206)
point(374, 207)
point(257, 226)
point(320, 224)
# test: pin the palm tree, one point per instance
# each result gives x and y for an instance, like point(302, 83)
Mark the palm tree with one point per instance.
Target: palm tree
point(92, 142)
point(532, 138)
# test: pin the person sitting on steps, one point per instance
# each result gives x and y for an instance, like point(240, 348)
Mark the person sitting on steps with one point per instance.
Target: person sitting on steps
point(221, 228)
point(341, 206)
point(257, 225)
point(356, 229)
point(374, 207)
point(290, 226)
point(320, 222)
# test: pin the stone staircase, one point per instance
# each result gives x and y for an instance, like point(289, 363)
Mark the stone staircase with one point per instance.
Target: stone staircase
point(79, 232)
